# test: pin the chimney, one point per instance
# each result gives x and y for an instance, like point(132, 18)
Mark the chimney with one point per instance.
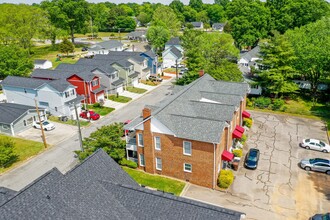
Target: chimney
point(201, 73)
point(146, 112)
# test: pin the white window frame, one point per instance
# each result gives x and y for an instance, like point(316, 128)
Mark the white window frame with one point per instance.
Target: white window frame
point(160, 146)
point(140, 159)
point(140, 139)
point(184, 151)
point(161, 163)
point(184, 167)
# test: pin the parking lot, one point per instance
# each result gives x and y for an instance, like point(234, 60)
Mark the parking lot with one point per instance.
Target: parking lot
point(278, 188)
point(61, 132)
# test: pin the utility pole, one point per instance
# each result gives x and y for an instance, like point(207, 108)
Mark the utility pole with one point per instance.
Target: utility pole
point(41, 127)
point(92, 28)
point(79, 130)
point(176, 68)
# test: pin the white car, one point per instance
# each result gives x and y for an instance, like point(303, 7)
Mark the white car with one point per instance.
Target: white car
point(46, 125)
point(315, 144)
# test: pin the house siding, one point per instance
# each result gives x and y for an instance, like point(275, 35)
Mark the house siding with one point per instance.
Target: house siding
point(20, 95)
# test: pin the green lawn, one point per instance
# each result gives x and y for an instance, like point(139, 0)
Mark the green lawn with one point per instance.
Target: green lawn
point(102, 110)
point(136, 90)
point(155, 181)
point(122, 99)
point(25, 149)
point(69, 122)
point(103, 34)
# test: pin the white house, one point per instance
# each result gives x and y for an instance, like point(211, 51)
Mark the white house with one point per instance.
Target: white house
point(171, 57)
point(42, 64)
point(197, 25)
point(218, 26)
point(105, 47)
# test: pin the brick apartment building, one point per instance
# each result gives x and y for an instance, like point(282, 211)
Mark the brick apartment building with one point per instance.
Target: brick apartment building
point(189, 135)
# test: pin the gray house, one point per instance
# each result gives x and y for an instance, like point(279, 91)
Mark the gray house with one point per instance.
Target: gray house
point(98, 188)
point(218, 26)
point(137, 35)
point(56, 96)
point(105, 47)
point(197, 25)
point(15, 118)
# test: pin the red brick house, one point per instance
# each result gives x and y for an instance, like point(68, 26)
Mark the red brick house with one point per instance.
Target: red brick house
point(87, 83)
point(190, 134)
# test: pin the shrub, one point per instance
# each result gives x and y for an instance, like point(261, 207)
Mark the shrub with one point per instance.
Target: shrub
point(243, 139)
point(247, 122)
point(128, 163)
point(225, 179)
point(7, 154)
point(96, 105)
point(238, 152)
point(277, 104)
point(262, 102)
point(249, 102)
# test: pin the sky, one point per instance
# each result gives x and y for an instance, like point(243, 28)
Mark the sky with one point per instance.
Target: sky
point(114, 1)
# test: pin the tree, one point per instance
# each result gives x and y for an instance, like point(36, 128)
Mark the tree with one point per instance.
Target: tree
point(158, 36)
point(108, 138)
point(249, 21)
point(20, 23)
point(7, 154)
point(70, 15)
point(166, 17)
point(296, 13)
point(14, 61)
point(144, 18)
point(124, 22)
point(196, 4)
point(278, 57)
point(189, 14)
point(216, 13)
point(99, 15)
point(177, 6)
point(223, 3)
point(311, 44)
point(66, 46)
point(202, 16)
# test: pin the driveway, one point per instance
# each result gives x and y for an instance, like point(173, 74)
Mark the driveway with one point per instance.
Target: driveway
point(279, 188)
point(60, 133)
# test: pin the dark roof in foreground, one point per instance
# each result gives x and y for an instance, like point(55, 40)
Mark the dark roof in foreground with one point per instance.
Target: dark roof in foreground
point(205, 105)
point(99, 189)
point(173, 41)
point(11, 111)
point(6, 194)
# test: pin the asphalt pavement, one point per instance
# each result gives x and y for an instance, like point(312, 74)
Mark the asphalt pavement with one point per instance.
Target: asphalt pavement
point(61, 155)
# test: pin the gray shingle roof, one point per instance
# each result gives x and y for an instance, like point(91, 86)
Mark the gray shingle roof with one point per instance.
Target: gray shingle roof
point(149, 53)
point(136, 34)
point(254, 53)
point(197, 24)
point(107, 45)
point(205, 105)
point(134, 75)
point(173, 41)
point(11, 111)
point(99, 189)
point(6, 194)
point(50, 74)
point(218, 25)
point(118, 82)
point(176, 52)
point(39, 61)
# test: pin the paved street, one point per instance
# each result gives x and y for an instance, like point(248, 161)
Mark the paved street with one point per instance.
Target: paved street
point(279, 188)
point(61, 155)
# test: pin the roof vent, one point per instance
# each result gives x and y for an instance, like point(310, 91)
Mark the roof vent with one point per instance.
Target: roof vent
point(48, 197)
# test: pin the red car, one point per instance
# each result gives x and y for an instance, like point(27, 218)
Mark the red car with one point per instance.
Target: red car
point(92, 115)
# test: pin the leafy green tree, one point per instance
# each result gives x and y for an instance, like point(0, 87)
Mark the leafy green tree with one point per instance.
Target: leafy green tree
point(249, 21)
point(202, 16)
point(216, 13)
point(66, 46)
point(296, 13)
point(189, 14)
point(99, 14)
point(144, 18)
point(166, 17)
point(311, 44)
point(278, 57)
point(14, 61)
point(108, 138)
point(223, 3)
point(20, 23)
point(70, 15)
point(158, 36)
point(7, 154)
point(124, 22)
point(114, 13)
point(177, 6)
point(196, 4)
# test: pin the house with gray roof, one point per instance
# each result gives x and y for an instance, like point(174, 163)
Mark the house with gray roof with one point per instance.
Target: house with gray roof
point(197, 25)
point(43, 64)
point(218, 26)
point(171, 57)
point(98, 188)
point(140, 35)
point(191, 133)
point(57, 96)
point(15, 118)
point(105, 47)
point(174, 42)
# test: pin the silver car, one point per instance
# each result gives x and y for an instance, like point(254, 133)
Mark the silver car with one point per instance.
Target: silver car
point(316, 164)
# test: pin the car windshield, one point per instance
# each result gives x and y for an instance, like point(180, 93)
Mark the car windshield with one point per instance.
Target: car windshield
point(45, 123)
point(322, 144)
point(307, 140)
point(252, 158)
point(315, 160)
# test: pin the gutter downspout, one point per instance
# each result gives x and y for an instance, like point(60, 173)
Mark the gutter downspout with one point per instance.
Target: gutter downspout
point(12, 129)
point(213, 166)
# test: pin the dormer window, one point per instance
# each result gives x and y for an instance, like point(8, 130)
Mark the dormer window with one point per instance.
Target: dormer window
point(67, 94)
point(72, 92)
point(95, 82)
